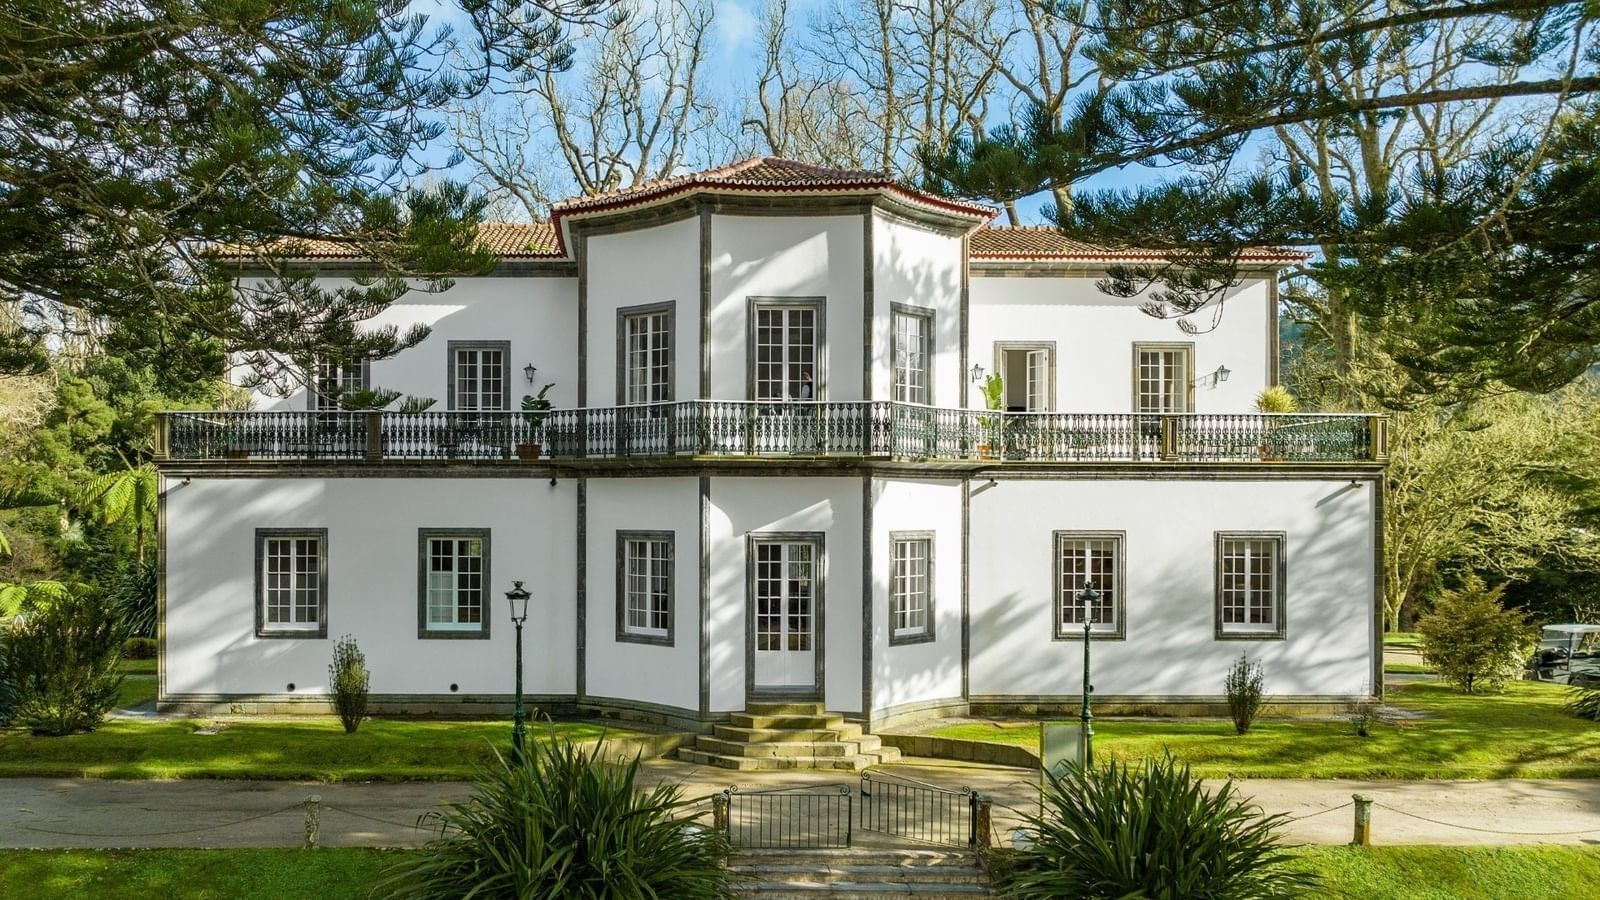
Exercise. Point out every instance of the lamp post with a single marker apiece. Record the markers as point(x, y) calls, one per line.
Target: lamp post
point(518, 595)
point(1088, 595)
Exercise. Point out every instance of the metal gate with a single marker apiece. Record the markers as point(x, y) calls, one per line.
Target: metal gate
point(918, 811)
point(799, 818)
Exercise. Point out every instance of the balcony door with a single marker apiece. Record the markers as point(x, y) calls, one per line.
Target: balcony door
point(785, 375)
point(1028, 370)
point(644, 379)
point(785, 614)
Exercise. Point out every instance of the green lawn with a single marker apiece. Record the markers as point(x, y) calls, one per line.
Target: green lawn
point(1391, 668)
point(1401, 639)
point(1523, 733)
point(138, 666)
point(136, 689)
point(1379, 873)
point(318, 749)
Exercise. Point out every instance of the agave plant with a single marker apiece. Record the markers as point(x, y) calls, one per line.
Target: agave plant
point(1585, 701)
point(563, 822)
point(1149, 830)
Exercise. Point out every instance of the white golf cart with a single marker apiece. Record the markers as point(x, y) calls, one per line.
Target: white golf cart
point(1567, 654)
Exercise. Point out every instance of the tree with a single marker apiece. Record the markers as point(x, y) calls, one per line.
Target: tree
point(1472, 640)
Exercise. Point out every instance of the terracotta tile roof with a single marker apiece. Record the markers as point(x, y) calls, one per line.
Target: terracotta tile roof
point(510, 240)
point(1040, 242)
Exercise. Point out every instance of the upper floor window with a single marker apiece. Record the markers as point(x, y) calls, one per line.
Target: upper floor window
point(454, 572)
point(334, 380)
point(1162, 376)
point(913, 354)
point(1027, 371)
point(644, 586)
point(644, 354)
point(1089, 559)
point(480, 375)
point(1250, 584)
point(910, 587)
point(785, 349)
point(292, 582)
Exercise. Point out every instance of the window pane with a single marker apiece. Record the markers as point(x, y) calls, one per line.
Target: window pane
point(1088, 562)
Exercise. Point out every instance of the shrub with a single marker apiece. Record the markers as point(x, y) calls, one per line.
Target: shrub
point(139, 648)
point(60, 665)
point(347, 677)
point(1244, 688)
point(133, 593)
point(1472, 641)
point(563, 823)
point(1363, 716)
point(1277, 399)
point(1585, 700)
point(1149, 830)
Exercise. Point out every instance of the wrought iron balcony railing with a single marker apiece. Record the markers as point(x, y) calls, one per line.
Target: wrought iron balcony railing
point(724, 428)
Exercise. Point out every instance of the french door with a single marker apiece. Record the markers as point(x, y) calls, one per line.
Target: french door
point(785, 613)
point(646, 364)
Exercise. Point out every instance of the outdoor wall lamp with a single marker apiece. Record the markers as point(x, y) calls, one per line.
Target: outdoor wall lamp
point(517, 599)
point(977, 373)
point(529, 371)
point(1214, 378)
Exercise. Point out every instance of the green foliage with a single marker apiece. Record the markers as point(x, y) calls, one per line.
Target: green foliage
point(1149, 830)
point(1473, 641)
point(1276, 399)
point(140, 648)
point(536, 407)
point(348, 679)
point(564, 823)
point(994, 391)
point(1244, 686)
point(1585, 702)
point(61, 665)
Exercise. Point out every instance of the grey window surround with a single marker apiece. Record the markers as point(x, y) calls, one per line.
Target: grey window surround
point(931, 315)
point(1187, 347)
point(927, 634)
point(818, 540)
point(424, 535)
point(263, 630)
point(311, 387)
point(453, 347)
point(632, 637)
point(1280, 630)
point(1059, 632)
point(1000, 348)
point(670, 307)
point(819, 377)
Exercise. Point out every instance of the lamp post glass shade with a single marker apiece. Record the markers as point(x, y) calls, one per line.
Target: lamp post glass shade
point(517, 599)
point(977, 373)
point(1222, 374)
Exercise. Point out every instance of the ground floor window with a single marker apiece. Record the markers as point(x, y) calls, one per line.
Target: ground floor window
point(1250, 584)
point(1089, 559)
point(644, 586)
point(454, 570)
point(292, 582)
point(910, 587)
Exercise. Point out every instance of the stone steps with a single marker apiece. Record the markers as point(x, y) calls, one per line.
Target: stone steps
point(854, 763)
point(859, 874)
point(853, 747)
point(776, 736)
point(752, 735)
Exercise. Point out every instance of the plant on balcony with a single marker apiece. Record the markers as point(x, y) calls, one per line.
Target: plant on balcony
point(1274, 400)
point(377, 398)
point(994, 393)
point(535, 409)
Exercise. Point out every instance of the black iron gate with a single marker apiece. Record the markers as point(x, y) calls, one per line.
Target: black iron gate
point(918, 811)
point(797, 818)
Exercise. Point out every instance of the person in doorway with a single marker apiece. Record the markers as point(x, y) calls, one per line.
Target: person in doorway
point(804, 390)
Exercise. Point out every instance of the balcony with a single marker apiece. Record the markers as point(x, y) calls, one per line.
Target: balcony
point(721, 429)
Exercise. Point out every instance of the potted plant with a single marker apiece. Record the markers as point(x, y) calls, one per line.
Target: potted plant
point(1273, 400)
point(535, 409)
point(994, 392)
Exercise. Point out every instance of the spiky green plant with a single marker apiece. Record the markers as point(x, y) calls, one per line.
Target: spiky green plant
point(349, 681)
point(1244, 686)
point(128, 493)
point(1149, 830)
point(563, 822)
point(1277, 399)
point(1585, 701)
point(60, 665)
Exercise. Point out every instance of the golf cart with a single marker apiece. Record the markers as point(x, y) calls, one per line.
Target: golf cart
point(1567, 654)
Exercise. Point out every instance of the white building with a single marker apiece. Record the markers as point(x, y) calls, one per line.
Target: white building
point(770, 475)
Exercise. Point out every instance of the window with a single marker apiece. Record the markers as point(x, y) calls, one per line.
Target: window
point(785, 337)
point(453, 573)
point(1084, 558)
point(1161, 377)
point(913, 354)
point(1250, 584)
point(644, 354)
point(333, 380)
point(910, 587)
point(644, 587)
point(292, 582)
point(1028, 373)
point(480, 375)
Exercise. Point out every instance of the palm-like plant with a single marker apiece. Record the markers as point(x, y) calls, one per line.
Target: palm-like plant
point(129, 493)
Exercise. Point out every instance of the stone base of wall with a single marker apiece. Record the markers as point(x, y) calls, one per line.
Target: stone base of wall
point(966, 751)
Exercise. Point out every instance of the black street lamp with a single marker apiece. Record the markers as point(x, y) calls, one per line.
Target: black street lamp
point(519, 614)
point(1088, 595)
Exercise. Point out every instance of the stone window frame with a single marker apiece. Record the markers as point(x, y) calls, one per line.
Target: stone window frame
point(1061, 632)
point(263, 629)
point(624, 635)
point(1280, 607)
point(926, 635)
point(454, 347)
point(930, 317)
point(1001, 348)
point(424, 632)
point(819, 364)
point(1187, 348)
point(624, 313)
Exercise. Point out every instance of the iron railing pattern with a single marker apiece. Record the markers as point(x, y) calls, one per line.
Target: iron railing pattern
point(727, 429)
point(918, 811)
point(813, 817)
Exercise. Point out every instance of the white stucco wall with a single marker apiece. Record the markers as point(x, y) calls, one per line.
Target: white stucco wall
point(919, 267)
point(211, 645)
point(538, 315)
point(786, 256)
point(669, 676)
point(829, 505)
point(915, 673)
point(635, 268)
point(1095, 333)
point(1171, 648)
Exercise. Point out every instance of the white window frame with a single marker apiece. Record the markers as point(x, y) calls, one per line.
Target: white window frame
point(911, 587)
point(646, 351)
point(787, 387)
point(428, 588)
point(1073, 567)
point(482, 400)
point(343, 377)
point(911, 367)
point(646, 594)
point(1240, 555)
point(268, 544)
point(1170, 381)
point(1039, 373)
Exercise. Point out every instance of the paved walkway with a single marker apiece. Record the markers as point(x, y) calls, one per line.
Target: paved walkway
point(66, 813)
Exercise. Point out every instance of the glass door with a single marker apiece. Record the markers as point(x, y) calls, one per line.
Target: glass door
point(785, 614)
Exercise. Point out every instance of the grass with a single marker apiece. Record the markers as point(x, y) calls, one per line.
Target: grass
point(136, 689)
point(1523, 733)
point(1390, 668)
point(1377, 873)
point(1401, 639)
point(315, 749)
point(138, 666)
